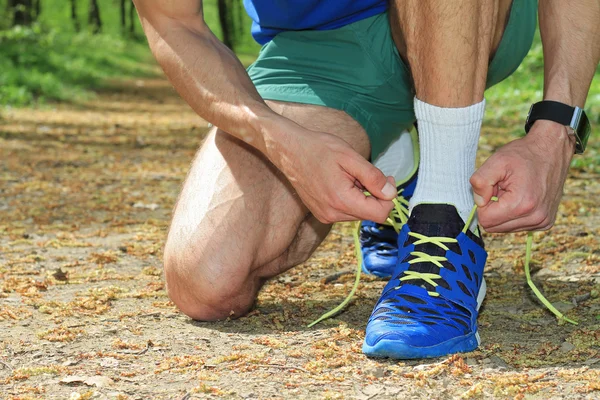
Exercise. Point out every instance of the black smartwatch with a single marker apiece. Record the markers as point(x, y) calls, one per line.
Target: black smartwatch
point(572, 117)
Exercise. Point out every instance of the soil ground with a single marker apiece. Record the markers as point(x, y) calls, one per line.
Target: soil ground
point(86, 193)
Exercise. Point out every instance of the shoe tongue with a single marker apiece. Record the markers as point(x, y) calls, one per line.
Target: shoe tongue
point(433, 220)
point(436, 220)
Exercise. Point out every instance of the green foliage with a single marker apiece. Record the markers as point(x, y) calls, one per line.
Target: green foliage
point(39, 64)
point(50, 61)
point(246, 47)
point(56, 15)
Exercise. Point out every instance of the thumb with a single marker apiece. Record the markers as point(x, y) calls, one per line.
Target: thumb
point(485, 181)
point(373, 179)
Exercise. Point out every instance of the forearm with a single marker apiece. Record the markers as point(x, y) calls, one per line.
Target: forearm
point(571, 39)
point(209, 77)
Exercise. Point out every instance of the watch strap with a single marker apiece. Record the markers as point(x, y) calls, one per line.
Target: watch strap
point(551, 110)
point(573, 117)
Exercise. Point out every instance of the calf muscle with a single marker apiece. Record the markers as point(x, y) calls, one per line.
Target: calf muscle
point(448, 46)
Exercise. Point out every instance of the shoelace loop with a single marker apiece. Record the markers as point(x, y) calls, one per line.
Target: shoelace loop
point(402, 213)
point(399, 212)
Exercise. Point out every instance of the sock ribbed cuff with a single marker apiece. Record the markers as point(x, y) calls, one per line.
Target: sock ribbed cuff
point(449, 116)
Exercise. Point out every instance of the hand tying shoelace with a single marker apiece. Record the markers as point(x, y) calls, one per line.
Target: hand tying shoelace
point(397, 218)
point(399, 214)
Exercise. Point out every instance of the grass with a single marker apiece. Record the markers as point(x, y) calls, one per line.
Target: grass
point(49, 61)
point(37, 65)
point(512, 98)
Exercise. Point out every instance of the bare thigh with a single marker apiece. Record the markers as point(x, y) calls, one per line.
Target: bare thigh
point(238, 221)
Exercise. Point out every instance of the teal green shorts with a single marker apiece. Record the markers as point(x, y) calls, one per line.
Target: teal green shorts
point(357, 69)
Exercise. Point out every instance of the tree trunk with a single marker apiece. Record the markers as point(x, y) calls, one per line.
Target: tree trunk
point(225, 20)
point(38, 9)
point(94, 17)
point(123, 15)
point(239, 22)
point(22, 11)
point(74, 18)
point(131, 19)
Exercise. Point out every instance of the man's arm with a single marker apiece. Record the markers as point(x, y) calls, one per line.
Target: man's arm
point(571, 39)
point(205, 72)
point(322, 168)
point(528, 174)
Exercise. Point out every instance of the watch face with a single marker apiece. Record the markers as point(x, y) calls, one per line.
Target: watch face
point(582, 132)
point(582, 135)
point(528, 122)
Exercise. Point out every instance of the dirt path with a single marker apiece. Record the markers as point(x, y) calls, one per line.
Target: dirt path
point(85, 197)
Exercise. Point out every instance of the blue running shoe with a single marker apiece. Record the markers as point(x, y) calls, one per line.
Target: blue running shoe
point(379, 242)
point(429, 308)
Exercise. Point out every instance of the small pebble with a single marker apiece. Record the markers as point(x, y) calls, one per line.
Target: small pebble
point(566, 347)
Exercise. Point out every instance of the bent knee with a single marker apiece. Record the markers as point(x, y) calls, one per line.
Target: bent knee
point(206, 303)
point(200, 294)
point(207, 310)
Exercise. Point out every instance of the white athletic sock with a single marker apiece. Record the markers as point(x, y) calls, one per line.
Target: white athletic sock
point(448, 140)
point(398, 158)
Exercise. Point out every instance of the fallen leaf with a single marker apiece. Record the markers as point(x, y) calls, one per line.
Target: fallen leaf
point(98, 381)
point(60, 275)
point(151, 206)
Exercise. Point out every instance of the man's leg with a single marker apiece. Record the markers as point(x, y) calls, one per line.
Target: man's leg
point(239, 222)
point(431, 309)
point(448, 46)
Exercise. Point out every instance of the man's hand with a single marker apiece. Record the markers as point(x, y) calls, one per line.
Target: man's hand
point(527, 175)
point(330, 176)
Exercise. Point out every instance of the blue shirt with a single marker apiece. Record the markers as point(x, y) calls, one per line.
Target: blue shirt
point(271, 17)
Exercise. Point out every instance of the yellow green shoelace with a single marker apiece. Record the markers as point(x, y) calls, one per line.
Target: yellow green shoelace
point(400, 212)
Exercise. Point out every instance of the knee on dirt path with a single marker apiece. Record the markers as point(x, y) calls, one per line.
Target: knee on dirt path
point(206, 291)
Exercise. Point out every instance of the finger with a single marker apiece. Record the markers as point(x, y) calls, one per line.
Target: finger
point(520, 225)
point(367, 207)
point(485, 181)
point(499, 212)
point(512, 215)
point(359, 185)
point(371, 178)
point(536, 221)
point(332, 216)
point(343, 217)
